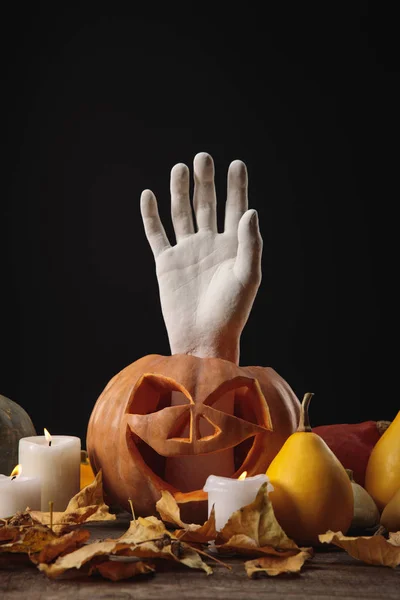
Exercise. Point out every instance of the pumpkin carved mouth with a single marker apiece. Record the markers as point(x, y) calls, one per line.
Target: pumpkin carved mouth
point(157, 430)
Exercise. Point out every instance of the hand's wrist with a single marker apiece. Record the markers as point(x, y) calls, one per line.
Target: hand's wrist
point(216, 347)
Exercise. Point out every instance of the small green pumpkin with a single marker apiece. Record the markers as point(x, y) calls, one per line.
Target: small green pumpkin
point(15, 423)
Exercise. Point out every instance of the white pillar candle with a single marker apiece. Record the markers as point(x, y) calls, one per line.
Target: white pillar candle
point(18, 493)
point(228, 495)
point(57, 465)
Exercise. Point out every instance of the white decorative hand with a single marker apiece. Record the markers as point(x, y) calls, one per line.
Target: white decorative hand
point(208, 280)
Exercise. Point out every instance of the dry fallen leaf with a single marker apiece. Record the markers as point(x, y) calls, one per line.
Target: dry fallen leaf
point(153, 540)
point(41, 543)
point(374, 550)
point(242, 544)
point(143, 529)
point(145, 538)
point(116, 571)
point(254, 529)
point(173, 549)
point(61, 545)
point(169, 511)
point(13, 528)
point(140, 530)
point(276, 565)
point(77, 558)
point(162, 548)
point(9, 534)
point(20, 519)
point(86, 505)
point(394, 538)
point(30, 540)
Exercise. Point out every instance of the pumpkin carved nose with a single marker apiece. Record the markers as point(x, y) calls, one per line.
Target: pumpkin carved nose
point(229, 430)
point(159, 429)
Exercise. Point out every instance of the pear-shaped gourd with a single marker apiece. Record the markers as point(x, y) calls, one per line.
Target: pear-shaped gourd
point(312, 491)
point(366, 513)
point(382, 476)
point(390, 517)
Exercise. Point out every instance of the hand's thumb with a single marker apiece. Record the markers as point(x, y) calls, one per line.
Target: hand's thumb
point(247, 266)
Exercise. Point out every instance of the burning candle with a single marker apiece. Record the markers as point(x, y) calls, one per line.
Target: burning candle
point(55, 460)
point(18, 493)
point(228, 495)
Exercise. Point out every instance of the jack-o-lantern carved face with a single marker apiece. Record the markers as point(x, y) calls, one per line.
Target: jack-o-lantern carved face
point(228, 419)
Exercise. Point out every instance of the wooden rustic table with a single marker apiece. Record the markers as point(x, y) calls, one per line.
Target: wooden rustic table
point(330, 574)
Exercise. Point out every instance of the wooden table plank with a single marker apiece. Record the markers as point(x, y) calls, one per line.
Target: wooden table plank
point(330, 574)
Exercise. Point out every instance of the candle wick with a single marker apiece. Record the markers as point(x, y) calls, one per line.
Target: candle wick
point(13, 477)
point(50, 443)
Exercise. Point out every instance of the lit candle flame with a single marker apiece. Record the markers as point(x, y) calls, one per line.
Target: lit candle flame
point(242, 476)
point(16, 472)
point(47, 436)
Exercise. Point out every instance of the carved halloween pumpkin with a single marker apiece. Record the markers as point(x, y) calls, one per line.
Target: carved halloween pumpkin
point(143, 440)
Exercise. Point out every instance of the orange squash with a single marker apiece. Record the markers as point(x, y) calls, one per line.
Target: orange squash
point(352, 443)
point(86, 471)
point(142, 440)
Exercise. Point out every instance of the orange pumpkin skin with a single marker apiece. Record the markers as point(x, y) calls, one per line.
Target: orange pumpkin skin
point(133, 427)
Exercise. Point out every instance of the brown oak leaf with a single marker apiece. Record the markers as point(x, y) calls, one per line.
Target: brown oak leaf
point(143, 529)
point(13, 528)
point(254, 530)
point(242, 544)
point(169, 511)
point(20, 519)
point(153, 540)
point(9, 533)
point(145, 538)
point(116, 571)
point(77, 558)
point(276, 565)
point(87, 505)
point(30, 539)
point(374, 550)
point(41, 543)
point(61, 545)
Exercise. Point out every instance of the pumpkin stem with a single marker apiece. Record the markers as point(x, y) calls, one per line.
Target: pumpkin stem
point(304, 421)
point(382, 426)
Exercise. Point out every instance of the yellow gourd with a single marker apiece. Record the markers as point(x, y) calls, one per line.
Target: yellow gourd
point(366, 513)
point(382, 476)
point(390, 517)
point(312, 491)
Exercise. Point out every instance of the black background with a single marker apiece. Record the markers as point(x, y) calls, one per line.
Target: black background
point(100, 102)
